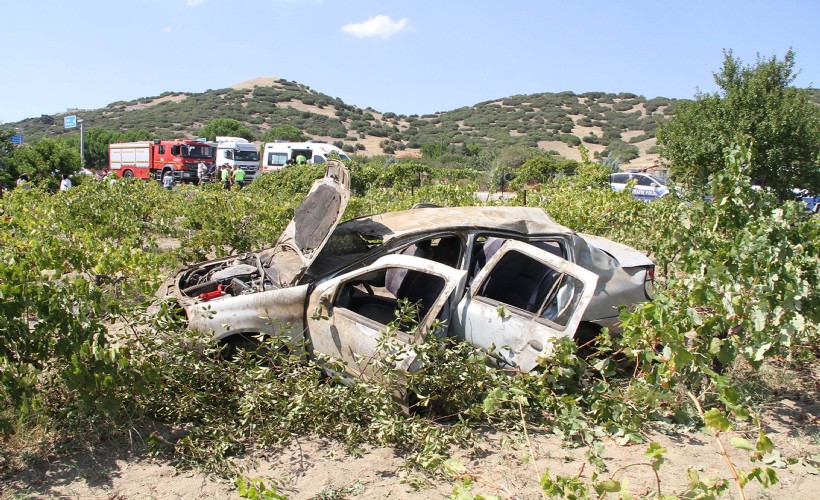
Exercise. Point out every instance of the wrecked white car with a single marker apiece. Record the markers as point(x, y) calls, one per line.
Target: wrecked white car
point(505, 279)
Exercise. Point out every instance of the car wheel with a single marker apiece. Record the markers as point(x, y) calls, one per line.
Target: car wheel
point(585, 336)
point(128, 174)
point(252, 345)
point(238, 343)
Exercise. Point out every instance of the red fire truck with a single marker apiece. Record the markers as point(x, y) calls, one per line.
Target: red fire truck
point(151, 159)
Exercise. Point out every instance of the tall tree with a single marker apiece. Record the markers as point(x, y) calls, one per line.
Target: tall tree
point(7, 176)
point(284, 133)
point(225, 127)
point(45, 160)
point(754, 103)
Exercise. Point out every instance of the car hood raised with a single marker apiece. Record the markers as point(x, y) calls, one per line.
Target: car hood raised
point(315, 219)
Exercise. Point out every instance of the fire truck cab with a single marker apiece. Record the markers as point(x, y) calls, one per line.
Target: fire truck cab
point(152, 159)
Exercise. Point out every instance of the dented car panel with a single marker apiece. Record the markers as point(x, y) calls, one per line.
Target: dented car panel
point(624, 277)
point(275, 312)
point(350, 330)
point(518, 331)
point(626, 256)
point(506, 279)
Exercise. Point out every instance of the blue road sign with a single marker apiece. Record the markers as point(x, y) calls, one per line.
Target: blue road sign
point(70, 121)
point(17, 139)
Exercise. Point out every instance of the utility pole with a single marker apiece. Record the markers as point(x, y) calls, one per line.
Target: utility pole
point(82, 145)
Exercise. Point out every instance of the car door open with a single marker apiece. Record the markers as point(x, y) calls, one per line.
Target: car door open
point(523, 297)
point(350, 317)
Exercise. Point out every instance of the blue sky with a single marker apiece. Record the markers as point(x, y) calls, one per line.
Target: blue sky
point(408, 57)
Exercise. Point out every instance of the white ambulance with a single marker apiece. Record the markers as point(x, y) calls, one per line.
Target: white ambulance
point(279, 154)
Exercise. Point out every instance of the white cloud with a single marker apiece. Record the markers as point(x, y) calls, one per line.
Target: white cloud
point(193, 3)
point(166, 29)
point(381, 26)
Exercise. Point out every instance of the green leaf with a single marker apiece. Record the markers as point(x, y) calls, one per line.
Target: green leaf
point(608, 486)
point(799, 322)
point(502, 311)
point(775, 460)
point(714, 346)
point(760, 354)
point(758, 319)
point(764, 444)
point(453, 467)
point(741, 413)
point(655, 450)
point(493, 400)
point(741, 444)
point(716, 420)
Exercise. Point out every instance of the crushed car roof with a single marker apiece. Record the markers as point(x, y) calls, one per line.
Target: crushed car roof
point(524, 220)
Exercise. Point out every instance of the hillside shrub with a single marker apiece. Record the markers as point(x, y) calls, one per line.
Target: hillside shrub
point(625, 152)
point(622, 106)
point(572, 140)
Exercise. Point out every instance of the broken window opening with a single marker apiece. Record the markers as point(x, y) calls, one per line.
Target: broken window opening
point(520, 281)
point(527, 284)
point(369, 296)
point(484, 247)
point(445, 250)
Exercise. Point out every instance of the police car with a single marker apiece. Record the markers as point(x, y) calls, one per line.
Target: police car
point(646, 187)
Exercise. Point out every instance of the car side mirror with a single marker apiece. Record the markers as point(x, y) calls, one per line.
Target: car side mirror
point(324, 303)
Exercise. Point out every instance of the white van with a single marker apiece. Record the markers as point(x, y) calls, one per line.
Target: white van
point(276, 155)
point(237, 151)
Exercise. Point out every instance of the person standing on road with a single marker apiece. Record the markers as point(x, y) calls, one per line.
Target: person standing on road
point(238, 177)
point(65, 183)
point(226, 176)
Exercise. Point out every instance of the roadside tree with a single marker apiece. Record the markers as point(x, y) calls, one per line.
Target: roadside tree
point(45, 160)
point(226, 127)
point(540, 169)
point(757, 102)
point(284, 133)
point(6, 148)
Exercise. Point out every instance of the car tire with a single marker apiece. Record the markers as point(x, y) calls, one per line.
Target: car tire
point(250, 343)
point(233, 345)
point(585, 336)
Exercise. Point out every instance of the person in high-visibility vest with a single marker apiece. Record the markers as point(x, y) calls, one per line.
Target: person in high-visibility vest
point(226, 176)
point(238, 177)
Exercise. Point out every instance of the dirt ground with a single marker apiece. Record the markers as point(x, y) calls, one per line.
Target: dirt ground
point(317, 468)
